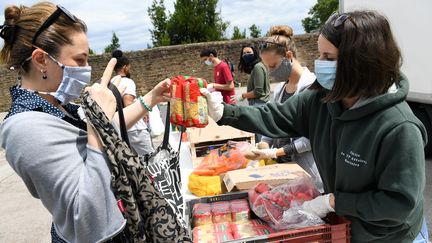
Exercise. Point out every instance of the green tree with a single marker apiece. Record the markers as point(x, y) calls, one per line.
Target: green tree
point(237, 34)
point(255, 31)
point(195, 21)
point(158, 17)
point(319, 13)
point(91, 52)
point(115, 44)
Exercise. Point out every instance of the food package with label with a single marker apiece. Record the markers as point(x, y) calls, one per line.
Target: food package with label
point(212, 237)
point(202, 214)
point(176, 103)
point(251, 228)
point(188, 107)
point(221, 212)
point(240, 210)
point(195, 104)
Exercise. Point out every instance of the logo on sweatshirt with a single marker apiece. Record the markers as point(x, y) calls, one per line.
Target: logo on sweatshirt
point(353, 159)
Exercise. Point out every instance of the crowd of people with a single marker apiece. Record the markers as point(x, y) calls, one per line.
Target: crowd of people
point(347, 124)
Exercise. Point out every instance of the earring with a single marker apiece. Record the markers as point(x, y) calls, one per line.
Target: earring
point(44, 76)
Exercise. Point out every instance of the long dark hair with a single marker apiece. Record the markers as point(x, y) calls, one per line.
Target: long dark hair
point(369, 59)
point(247, 67)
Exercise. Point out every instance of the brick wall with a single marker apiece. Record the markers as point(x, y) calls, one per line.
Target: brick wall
point(153, 65)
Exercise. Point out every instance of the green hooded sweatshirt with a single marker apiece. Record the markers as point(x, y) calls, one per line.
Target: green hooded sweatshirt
point(371, 157)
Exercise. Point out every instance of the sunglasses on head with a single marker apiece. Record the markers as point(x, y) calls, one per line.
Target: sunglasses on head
point(269, 44)
point(51, 19)
point(338, 20)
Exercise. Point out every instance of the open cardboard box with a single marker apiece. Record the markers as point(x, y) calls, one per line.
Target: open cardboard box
point(245, 179)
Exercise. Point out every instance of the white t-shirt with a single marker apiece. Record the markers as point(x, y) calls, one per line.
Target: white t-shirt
point(131, 90)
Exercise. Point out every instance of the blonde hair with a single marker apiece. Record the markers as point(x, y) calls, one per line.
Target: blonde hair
point(21, 25)
point(282, 35)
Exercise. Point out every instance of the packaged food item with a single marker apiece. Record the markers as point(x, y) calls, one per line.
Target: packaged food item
point(242, 230)
point(204, 185)
point(188, 105)
point(202, 214)
point(213, 233)
point(212, 237)
point(221, 212)
point(195, 104)
point(176, 103)
point(240, 210)
point(215, 164)
point(224, 227)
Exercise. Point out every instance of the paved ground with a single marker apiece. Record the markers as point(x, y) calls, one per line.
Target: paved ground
point(24, 219)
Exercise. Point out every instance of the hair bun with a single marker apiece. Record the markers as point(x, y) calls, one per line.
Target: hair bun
point(283, 30)
point(117, 54)
point(12, 14)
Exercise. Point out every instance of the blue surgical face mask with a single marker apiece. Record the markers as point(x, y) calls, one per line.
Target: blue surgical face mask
point(325, 72)
point(73, 81)
point(248, 57)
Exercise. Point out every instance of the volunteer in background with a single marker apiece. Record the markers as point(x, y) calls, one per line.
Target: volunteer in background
point(279, 53)
point(223, 79)
point(139, 135)
point(56, 153)
point(367, 143)
point(258, 86)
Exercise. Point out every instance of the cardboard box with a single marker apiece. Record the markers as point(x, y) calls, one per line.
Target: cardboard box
point(245, 179)
point(215, 136)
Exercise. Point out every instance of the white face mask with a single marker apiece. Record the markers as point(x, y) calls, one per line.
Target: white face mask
point(73, 81)
point(208, 62)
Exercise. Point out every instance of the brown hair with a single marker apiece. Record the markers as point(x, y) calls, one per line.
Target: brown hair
point(23, 22)
point(282, 35)
point(369, 59)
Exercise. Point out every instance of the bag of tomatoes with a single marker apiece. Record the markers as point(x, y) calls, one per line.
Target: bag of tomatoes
point(281, 206)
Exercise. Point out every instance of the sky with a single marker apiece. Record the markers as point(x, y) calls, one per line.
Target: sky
point(130, 21)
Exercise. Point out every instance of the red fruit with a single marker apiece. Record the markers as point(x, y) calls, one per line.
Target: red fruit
point(303, 196)
point(262, 187)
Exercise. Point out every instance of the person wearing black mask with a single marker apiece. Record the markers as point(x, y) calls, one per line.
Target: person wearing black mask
point(258, 86)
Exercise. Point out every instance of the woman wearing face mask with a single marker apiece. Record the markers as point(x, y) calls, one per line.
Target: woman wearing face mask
point(58, 156)
point(279, 54)
point(258, 86)
point(367, 143)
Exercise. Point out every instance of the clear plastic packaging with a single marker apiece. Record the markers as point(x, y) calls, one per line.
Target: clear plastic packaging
point(281, 206)
point(221, 212)
point(240, 210)
point(202, 214)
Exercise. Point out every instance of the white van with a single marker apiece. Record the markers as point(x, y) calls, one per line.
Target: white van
point(411, 24)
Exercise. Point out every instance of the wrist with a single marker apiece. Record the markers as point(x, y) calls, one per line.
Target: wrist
point(332, 201)
point(148, 100)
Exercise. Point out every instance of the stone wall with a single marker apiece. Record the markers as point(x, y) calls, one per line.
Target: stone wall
point(153, 65)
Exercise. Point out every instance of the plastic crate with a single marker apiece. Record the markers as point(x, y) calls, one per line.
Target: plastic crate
point(336, 230)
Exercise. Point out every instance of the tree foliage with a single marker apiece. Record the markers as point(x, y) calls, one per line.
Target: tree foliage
point(192, 21)
point(158, 17)
point(115, 44)
point(237, 34)
point(255, 31)
point(319, 13)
